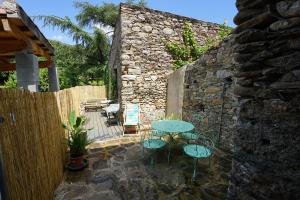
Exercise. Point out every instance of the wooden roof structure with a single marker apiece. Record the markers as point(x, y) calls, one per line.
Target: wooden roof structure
point(18, 32)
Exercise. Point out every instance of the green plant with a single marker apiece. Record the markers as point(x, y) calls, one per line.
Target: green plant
point(12, 81)
point(77, 135)
point(191, 50)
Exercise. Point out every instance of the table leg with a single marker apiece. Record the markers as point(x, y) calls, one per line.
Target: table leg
point(195, 169)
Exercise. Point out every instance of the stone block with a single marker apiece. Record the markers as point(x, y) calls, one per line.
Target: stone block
point(128, 77)
point(216, 102)
point(223, 74)
point(288, 8)
point(168, 31)
point(147, 29)
point(213, 90)
point(285, 24)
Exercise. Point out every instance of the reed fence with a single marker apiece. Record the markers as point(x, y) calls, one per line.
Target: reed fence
point(32, 140)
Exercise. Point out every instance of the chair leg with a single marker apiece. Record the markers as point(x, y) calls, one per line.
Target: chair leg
point(169, 155)
point(195, 169)
point(152, 161)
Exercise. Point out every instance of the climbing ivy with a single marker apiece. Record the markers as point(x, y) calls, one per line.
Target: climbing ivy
point(191, 50)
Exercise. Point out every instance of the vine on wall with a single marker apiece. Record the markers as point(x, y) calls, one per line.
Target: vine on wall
point(191, 50)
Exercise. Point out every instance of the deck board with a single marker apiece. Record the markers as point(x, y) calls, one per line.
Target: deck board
point(101, 130)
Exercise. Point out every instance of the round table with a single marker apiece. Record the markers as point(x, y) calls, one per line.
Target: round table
point(172, 126)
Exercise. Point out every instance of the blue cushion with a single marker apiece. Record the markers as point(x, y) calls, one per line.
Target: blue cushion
point(154, 143)
point(157, 134)
point(197, 151)
point(190, 136)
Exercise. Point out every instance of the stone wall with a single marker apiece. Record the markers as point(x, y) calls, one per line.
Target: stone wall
point(144, 61)
point(267, 151)
point(114, 62)
point(208, 93)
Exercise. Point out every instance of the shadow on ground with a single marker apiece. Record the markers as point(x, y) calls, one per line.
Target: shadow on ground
point(120, 172)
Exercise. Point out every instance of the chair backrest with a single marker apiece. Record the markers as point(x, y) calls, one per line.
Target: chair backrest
point(207, 142)
point(132, 114)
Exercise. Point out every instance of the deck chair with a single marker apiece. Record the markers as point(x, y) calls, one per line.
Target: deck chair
point(131, 118)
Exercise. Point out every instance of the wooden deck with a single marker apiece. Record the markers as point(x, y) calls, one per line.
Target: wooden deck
point(101, 130)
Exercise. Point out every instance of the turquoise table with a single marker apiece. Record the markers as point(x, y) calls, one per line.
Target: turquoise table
point(171, 127)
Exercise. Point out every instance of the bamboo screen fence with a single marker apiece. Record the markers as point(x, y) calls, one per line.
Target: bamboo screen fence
point(32, 138)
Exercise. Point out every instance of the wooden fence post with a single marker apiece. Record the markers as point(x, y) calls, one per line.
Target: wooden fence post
point(2, 182)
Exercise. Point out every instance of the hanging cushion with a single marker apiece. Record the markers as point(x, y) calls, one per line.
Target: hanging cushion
point(197, 151)
point(131, 115)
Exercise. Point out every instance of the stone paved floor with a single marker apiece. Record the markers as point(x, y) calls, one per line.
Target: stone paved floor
point(119, 172)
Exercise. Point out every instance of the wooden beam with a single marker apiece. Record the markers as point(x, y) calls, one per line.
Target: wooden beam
point(7, 46)
point(34, 29)
point(12, 66)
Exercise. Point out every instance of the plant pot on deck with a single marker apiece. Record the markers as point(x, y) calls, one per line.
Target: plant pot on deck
point(130, 130)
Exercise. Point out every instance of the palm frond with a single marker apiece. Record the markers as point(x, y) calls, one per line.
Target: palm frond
point(105, 15)
point(102, 42)
point(66, 25)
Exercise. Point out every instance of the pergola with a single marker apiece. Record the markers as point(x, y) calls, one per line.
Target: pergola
point(24, 48)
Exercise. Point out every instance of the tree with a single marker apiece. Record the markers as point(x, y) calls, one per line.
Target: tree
point(105, 14)
point(77, 70)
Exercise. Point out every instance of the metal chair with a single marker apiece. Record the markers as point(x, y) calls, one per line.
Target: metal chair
point(152, 141)
point(189, 136)
point(203, 147)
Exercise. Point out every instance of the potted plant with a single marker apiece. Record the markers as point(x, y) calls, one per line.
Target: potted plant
point(77, 141)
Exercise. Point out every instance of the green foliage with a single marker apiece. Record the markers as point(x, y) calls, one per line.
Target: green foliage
point(44, 83)
point(191, 50)
point(76, 70)
point(90, 14)
point(111, 84)
point(77, 137)
point(224, 31)
point(3, 77)
point(142, 3)
point(11, 81)
point(187, 52)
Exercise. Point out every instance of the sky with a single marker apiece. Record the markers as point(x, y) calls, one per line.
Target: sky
point(207, 10)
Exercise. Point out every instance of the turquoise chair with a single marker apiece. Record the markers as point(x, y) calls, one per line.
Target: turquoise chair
point(158, 134)
point(189, 136)
point(202, 148)
point(152, 141)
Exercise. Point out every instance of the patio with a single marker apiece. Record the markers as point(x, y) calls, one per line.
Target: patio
point(102, 131)
point(120, 172)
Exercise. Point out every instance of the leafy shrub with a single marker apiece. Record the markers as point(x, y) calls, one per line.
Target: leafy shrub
point(191, 50)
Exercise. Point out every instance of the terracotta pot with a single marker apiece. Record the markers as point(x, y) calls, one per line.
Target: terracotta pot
point(130, 129)
point(77, 161)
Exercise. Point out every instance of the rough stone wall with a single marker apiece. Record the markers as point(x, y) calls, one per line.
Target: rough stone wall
point(145, 63)
point(204, 89)
point(267, 151)
point(114, 62)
